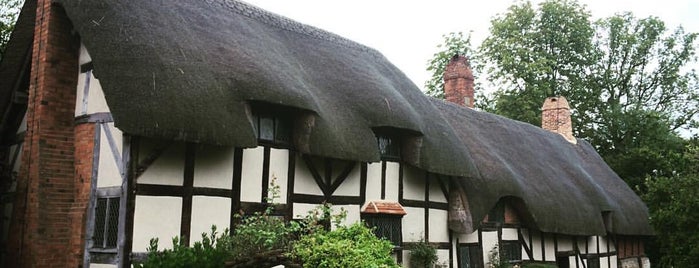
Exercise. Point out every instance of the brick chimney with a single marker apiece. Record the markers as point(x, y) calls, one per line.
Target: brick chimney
point(555, 117)
point(458, 82)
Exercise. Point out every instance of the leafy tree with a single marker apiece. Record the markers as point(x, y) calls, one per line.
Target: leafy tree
point(455, 43)
point(533, 54)
point(9, 9)
point(674, 208)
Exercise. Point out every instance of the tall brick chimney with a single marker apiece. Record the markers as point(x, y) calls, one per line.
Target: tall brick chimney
point(458, 82)
point(555, 117)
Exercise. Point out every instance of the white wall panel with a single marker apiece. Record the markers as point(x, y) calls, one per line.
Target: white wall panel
point(156, 217)
point(392, 172)
point(351, 185)
point(536, 246)
point(303, 180)
point(443, 257)
point(373, 182)
point(509, 234)
point(413, 183)
point(439, 231)
point(490, 239)
point(436, 193)
point(413, 224)
point(213, 167)
point(251, 182)
point(207, 211)
point(353, 213)
point(100, 265)
point(23, 124)
point(168, 169)
point(300, 210)
point(565, 243)
point(108, 174)
point(279, 173)
point(550, 248)
point(468, 238)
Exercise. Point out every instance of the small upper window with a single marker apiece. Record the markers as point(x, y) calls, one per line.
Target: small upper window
point(385, 217)
point(389, 147)
point(273, 129)
point(511, 251)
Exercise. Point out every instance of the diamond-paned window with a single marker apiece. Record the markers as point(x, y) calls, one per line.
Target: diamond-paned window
point(106, 229)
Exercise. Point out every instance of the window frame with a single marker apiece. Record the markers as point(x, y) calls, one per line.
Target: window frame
point(112, 194)
point(470, 248)
point(394, 221)
point(511, 246)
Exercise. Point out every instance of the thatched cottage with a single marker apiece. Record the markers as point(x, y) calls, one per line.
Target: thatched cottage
point(127, 120)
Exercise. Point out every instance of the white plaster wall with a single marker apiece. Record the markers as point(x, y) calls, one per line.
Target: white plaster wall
point(351, 185)
point(108, 173)
point(300, 210)
point(565, 243)
point(156, 217)
point(251, 182)
point(614, 261)
point(443, 256)
point(468, 238)
point(213, 167)
point(278, 173)
point(303, 180)
point(490, 239)
point(509, 234)
point(436, 193)
point(373, 181)
point(603, 244)
point(413, 224)
point(439, 231)
point(100, 265)
point(23, 124)
point(413, 183)
point(525, 236)
point(603, 262)
point(353, 213)
point(536, 246)
point(207, 211)
point(84, 56)
point(550, 248)
point(392, 179)
point(96, 102)
point(592, 244)
point(168, 169)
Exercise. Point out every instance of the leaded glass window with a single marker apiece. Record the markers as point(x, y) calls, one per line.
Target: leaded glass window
point(470, 256)
point(385, 226)
point(511, 251)
point(106, 223)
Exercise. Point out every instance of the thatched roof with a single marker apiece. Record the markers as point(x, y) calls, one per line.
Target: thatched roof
point(184, 70)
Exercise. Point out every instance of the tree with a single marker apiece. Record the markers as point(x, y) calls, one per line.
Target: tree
point(454, 44)
point(627, 79)
point(673, 204)
point(9, 10)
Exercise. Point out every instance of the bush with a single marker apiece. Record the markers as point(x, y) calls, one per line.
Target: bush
point(212, 251)
point(422, 255)
point(352, 246)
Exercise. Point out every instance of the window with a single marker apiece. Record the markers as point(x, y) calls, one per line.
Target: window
point(470, 256)
point(385, 226)
point(105, 233)
point(511, 251)
point(389, 147)
point(273, 129)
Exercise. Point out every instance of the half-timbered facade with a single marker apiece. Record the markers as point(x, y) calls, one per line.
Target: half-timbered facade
point(122, 123)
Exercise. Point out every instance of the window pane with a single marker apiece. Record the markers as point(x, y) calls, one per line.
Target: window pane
point(593, 262)
point(465, 257)
point(388, 147)
point(283, 131)
point(387, 227)
point(100, 214)
point(113, 223)
point(511, 251)
point(266, 130)
point(476, 256)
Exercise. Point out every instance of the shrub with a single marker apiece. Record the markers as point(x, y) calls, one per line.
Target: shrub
point(346, 246)
point(422, 254)
point(212, 251)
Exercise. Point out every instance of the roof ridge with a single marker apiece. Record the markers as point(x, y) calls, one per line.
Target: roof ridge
point(284, 23)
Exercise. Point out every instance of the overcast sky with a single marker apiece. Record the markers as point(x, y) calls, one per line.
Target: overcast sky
point(407, 32)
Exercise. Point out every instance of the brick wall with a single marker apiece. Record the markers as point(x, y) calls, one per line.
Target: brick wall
point(46, 219)
point(555, 117)
point(458, 82)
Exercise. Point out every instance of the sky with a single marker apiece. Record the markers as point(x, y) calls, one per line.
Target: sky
point(408, 32)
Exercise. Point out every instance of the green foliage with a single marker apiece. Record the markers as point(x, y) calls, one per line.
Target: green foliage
point(422, 255)
point(495, 261)
point(673, 203)
point(352, 246)
point(454, 44)
point(212, 251)
point(538, 265)
point(9, 10)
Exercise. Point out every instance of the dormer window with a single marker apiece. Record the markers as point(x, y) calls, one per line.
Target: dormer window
point(273, 129)
point(273, 125)
point(389, 147)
